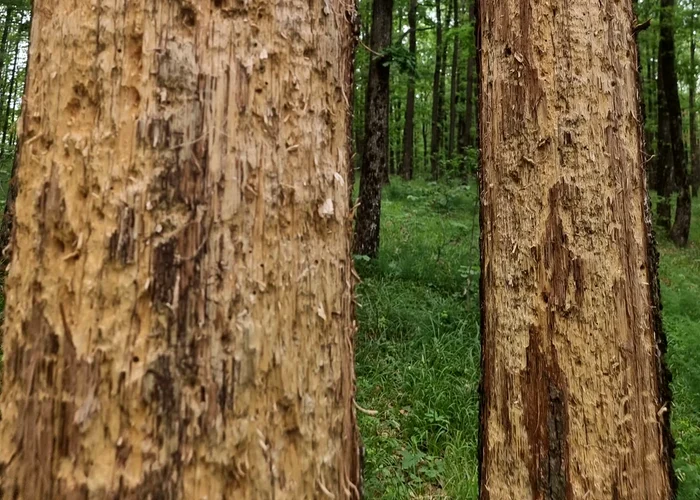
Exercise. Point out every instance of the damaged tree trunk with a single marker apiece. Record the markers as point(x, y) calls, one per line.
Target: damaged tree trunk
point(575, 391)
point(179, 303)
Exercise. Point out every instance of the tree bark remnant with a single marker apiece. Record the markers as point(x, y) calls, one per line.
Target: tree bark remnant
point(575, 398)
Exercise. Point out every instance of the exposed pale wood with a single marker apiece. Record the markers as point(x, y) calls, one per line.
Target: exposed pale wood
point(179, 305)
point(575, 393)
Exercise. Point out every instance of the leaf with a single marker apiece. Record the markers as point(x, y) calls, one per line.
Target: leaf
point(411, 459)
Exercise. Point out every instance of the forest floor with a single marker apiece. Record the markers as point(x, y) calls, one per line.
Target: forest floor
point(418, 346)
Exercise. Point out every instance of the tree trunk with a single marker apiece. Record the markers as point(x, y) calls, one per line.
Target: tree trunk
point(179, 304)
point(664, 160)
point(443, 84)
point(575, 400)
point(694, 158)
point(454, 81)
point(436, 127)
point(467, 140)
point(424, 128)
point(5, 32)
point(669, 80)
point(9, 108)
point(649, 117)
point(376, 151)
point(408, 127)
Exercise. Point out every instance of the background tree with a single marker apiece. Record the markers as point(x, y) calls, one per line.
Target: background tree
point(409, 134)
point(376, 148)
point(436, 123)
point(179, 305)
point(668, 80)
point(565, 244)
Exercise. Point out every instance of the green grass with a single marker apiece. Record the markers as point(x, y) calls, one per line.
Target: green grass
point(418, 346)
point(680, 295)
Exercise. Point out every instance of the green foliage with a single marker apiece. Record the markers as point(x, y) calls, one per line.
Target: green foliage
point(400, 58)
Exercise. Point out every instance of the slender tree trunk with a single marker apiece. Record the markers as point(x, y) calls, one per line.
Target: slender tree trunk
point(467, 140)
point(436, 127)
point(5, 32)
point(179, 307)
point(454, 81)
point(443, 84)
point(575, 400)
point(669, 80)
point(664, 159)
point(376, 151)
point(408, 127)
point(395, 141)
point(649, 117)
point(692, 86)
point(424, 127)
point(10, 97)
point(469, 112)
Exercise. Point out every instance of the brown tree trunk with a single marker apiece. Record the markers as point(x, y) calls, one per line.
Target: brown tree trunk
point(575, 400)
point(454, 81)
point(408, 127)
point(436, 126)
point(179, 304)
point(375, 155)
point(669, 80)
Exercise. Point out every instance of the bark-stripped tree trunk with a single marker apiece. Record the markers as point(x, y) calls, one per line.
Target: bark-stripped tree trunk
point(375, 156)
point(179, 303)
point(436, 126)
point(454, 81)
point(668, 79)
point(575, 393)
point(408, 127)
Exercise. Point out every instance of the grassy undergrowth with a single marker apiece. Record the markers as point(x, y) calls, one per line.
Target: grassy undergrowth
point(680, 294)
point(418, 346)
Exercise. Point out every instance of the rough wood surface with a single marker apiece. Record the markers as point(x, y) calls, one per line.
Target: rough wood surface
point(178, 321)
point(575, 394)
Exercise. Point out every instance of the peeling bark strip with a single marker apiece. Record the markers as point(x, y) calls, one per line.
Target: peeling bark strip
point(575, 394)
point(179, 305)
